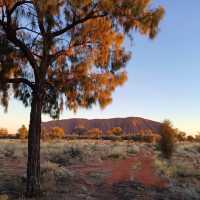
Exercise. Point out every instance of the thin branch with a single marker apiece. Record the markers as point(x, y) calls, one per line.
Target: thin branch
point(39, 18)
point(70, 26)
point(21, 80)
point(11, 36)
point(19, 3)
point(25, 50)
point(38, 56)
point(27, 29)
point(63, 51)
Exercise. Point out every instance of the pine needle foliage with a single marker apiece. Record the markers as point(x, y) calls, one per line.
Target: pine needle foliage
point(70, 51)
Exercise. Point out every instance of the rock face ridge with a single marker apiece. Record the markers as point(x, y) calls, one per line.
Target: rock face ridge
point(130, 125)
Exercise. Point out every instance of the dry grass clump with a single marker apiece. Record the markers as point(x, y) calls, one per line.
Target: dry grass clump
point(12, 149)
point(165, 168)
point(188, 149)
point(184, 163)
point(182, 170)
point(67, 155)
point(176, 170)
point(76, 151)
point(115, 155)
point(55, 178)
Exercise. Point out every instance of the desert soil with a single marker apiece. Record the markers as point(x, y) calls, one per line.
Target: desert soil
point(129, 178)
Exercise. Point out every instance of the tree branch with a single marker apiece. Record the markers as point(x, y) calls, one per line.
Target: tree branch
point(26, 51)
point(40, 20)
point(11, 36)
point(70, 26)
point(19, 3)
point(21, 80)
point(27, 29)
point(64, 52)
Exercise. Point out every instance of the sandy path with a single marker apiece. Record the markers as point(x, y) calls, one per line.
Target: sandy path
point(139, 167)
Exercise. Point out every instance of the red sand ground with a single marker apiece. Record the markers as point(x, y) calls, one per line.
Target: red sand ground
point(139, 168)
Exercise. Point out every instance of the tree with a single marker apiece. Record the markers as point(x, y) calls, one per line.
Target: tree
point(180, 136)
point(55, 53)
point(44, 133)
point(197, 137)
point(94, 132)
point(79, 130)
point(117, 131)
point(3, 133)
point(167, 141)
point(190, 138)
point(57, 133)
point(22, 132)
point(52, 133)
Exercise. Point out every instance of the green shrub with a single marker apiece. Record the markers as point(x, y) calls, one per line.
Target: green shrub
point(167, 141)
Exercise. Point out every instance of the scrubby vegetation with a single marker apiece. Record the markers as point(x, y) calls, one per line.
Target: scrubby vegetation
point(182, 170)
point(22, 132)
point(68, 168)
point(116, 131)
point(167, 141)
point(95, 133)
point(53, 133)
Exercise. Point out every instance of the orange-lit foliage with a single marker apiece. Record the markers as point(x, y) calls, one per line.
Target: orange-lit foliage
point(3, 133)
point(53, 133)
point(116, 131)
point(57, 133)
point(167, 141)
point(70, 53)
point(83, 62)
point(94, 133)
point(22, 132)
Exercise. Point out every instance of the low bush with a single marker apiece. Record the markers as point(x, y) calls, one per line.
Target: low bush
point(54, 177)
point(115, 131)
point(22, 133)
point(190, 138)
point(52, 133)
point(95, 133)
point(66, 156)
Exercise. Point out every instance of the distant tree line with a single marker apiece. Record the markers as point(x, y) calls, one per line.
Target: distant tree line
point(115, 133)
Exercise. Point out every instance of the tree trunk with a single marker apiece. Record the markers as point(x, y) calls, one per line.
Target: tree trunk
point(33, 164)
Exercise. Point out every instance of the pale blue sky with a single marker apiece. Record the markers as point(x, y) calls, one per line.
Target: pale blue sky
point(163, 76)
